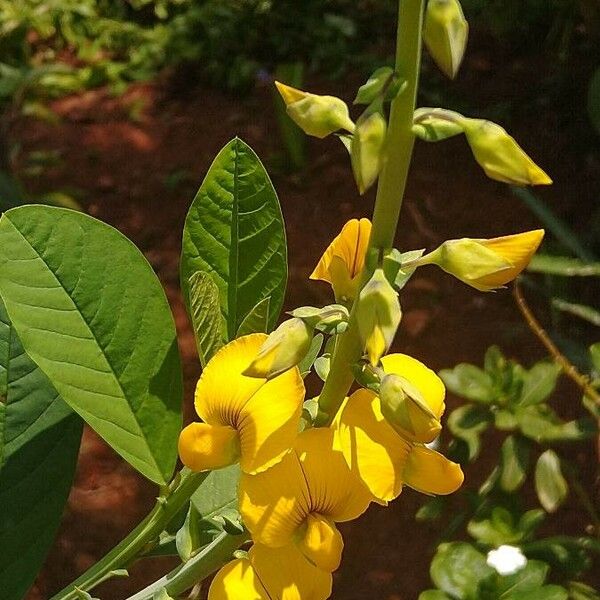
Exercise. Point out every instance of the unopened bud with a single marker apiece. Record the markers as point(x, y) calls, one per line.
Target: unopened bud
point(406, 410)
point(500, 156)
point(367, 150)
point(331, 318)
point(436, 124)
point(486, 264)
point(282, 350)
point(378, 314)
point(315, 115)
point(445, 33)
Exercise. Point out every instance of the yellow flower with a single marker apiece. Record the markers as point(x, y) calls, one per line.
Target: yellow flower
point(301, 498)
point(379, 455)
point(486, 264)
point(315, 115)
point(271, 574)
point(344, 259)
point(248, 419)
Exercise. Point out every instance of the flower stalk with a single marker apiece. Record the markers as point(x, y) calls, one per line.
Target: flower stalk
point(140, 539)
point(390, 192)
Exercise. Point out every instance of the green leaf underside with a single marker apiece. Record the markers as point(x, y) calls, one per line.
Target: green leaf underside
point(39, 443)
point(256, 321)
point(234, 231)
point(550, 485)
point(206, 315)
point(217, 492)
point(91, 313)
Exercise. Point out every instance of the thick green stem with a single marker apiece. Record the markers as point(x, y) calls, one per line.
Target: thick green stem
point(185, 576)
point(390, 192)
point(139, 539)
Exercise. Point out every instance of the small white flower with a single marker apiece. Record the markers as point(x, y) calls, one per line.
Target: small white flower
point(507, 560)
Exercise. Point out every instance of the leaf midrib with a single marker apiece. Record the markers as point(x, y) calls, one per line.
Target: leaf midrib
point(233, 250)
point(102, 349)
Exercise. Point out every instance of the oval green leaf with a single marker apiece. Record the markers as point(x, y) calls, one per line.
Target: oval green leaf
point(39, 442)
point(550, 485)
point(92, 314)
point(234, 231)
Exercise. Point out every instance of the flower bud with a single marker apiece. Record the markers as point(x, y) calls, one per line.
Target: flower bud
point(405, 409)
point(330, 318)
point(378, 313)
point(486, 264)
point(445, 33)
point(500, 156)
point(315, 115)
point(367, 150)
point(282, 350)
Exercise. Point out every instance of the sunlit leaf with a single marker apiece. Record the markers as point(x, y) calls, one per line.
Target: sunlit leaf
point(515, 459)
point(539, 382)
point(550, 485)
point(234, 231)
point(206, 315)
point(257, 320)
point(469, 382)
point(92, 314)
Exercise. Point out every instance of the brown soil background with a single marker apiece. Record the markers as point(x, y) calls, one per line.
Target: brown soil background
point(125, 170)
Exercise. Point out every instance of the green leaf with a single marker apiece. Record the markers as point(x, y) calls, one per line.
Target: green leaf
point(39, 443)
point(256, 321)
point(531, 577)
point(540, 423)
point(546, 592)
point(587, 313)
point(563, 265)
point(515, 459)
point(469, 382)
point(433, 595)
point(92, 314)
point(581, 591)
point(218, 492)
point(539, 382)
point(457, 569)
point(595, 356)
point(383, 79)
point(307, 362)
point(468, 422)
point(499, 528)
point(206, 315)
point(550, 485)
point(234, 231)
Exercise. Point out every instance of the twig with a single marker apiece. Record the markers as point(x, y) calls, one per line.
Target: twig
point(569, 368)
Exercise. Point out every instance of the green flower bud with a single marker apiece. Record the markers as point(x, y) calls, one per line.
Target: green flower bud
point(436, 124)
point(282, 350)
point(330, 318)
point(445, 34)
point(405, 409)
point(500, 156)
point(316, 115)
point(367, 150)
point(378, 313)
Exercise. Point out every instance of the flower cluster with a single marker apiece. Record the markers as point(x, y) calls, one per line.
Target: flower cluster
point(298, 480)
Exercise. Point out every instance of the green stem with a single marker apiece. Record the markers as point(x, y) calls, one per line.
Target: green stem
point(185, 576)
point(137, 542)
point(390, 192)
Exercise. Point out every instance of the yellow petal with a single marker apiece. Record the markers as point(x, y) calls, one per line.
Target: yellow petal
point(237, 580)
point(313, 478)
point(268, 422)
point(287, 575)
point(275, 503)
point(374, 452)
point(333, 490)
point(321, 543)
point(350, 248)
point(266, 414)
point(429, 472)
point(205, 447)
point(517, 249)
point(222, 390)
point(290, 94)
point(422, 377)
